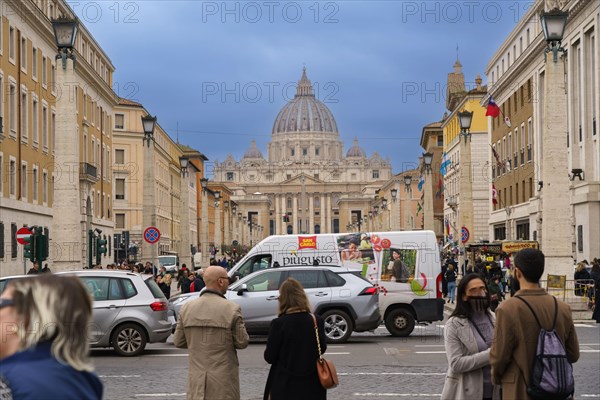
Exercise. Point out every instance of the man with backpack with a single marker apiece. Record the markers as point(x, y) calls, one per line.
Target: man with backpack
point(535, 341)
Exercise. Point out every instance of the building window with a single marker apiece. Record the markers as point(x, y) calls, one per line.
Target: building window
point(24, 181)
point(580, 239)
point(523, 230)
point(12, 172)
point(120, 221)
point(440, 140)
point(499, 232)
point(289, 202)
point(529, 139)
point(12, 108)
point(316, 176)
point(13, 240)
point(288, 176)
point(1, 223)
point(35, 128)
point(119, 156)
point(292, 152)
point(53, 130)
point(375, 174)
point(44, 71)
point(304, 151)
point(23, 53)
point(35, 183)
point(229, 176)
point(24, 120)
point(45, 187)
point(353, 176)
point(34, 63)
point(11, 43)
point(120, 189)
point(317, 151)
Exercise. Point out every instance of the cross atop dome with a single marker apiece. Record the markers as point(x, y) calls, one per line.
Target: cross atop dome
point(304, 85)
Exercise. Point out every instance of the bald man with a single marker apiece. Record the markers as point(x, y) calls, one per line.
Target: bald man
point(212, 328)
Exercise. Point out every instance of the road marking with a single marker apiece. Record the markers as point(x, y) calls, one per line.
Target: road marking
point(429, 345)
point(589, 395)
point(391, 373)
point(589, 351)
point(160, 395)
point(584, 326)
point(331, 354)
point(589, 344)
point(396, 395)
point(119, 376)
point(168, 355)
point(335, 347)
point(430, 352)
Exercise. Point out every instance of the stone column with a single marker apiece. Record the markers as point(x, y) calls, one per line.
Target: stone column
point(311, 213)
point(295, 214)
point(67, 227)
point(218, 233)
point(204, 230)
point(556, 224)
point(465, 204)
point(185, 254)
point(278, 216)
point(328, 214)
point(428, 202)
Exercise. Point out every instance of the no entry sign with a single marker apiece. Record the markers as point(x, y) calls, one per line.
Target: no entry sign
point(22, 234)
point(151, 234)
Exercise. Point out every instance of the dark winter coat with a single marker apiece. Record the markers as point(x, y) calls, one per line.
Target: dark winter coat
point(36, 374)
point(292, 352)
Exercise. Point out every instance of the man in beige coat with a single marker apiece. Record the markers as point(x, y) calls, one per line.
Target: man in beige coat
point(212, 328)
point(516, 333)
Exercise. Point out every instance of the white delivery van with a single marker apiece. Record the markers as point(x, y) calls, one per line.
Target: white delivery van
point(404, 265)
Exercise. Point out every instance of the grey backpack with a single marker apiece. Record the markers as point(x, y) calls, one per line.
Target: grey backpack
point(551, 373)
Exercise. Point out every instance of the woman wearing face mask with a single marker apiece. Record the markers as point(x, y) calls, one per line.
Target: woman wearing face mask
point(468, 336)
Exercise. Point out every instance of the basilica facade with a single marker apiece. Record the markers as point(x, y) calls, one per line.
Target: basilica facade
point(306, 184)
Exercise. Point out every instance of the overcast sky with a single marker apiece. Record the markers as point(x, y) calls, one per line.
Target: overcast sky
point(221, 71)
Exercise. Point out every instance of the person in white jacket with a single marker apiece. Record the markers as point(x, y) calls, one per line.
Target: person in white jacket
point(468, 336)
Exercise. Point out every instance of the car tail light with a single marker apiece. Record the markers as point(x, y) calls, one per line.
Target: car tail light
point(369, 291)
point(159, 306)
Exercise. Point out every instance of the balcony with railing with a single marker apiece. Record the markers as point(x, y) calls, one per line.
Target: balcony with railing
point(88, 172)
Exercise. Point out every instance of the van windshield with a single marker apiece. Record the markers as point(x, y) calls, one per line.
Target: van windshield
point(167, 260)
point(253, 264)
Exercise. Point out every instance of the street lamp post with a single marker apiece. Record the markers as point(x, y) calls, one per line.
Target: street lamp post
point(185, 251)
point(149, 251)
point(428, 193)
point(66, 225)
point(555, 194)
point(204, 245)
point(408, 188)
point(218, 239)
point(395, 210)
point(465, 212)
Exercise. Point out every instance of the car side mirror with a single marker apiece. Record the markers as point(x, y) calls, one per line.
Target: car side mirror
point(243, 288)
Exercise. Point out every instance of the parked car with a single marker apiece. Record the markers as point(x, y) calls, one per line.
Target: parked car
point(129, 310)
point(346, 301)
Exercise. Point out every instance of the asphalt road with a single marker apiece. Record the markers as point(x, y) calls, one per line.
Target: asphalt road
point(370, 365)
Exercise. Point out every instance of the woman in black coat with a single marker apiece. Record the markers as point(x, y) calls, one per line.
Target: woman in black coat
point(292, 348)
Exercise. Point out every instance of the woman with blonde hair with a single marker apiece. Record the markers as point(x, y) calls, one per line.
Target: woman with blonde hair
point(292, 348)
point(45, 349)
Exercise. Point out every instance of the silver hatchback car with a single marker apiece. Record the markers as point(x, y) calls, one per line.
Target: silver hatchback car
point(347, 302)
point(129, 310)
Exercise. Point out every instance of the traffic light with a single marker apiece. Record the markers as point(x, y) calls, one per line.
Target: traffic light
point(29, 247)
point(100, 249)
point(41, 245)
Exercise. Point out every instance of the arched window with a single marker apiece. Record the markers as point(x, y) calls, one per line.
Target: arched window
point(317, 202)
point(317, 229)
point(289, 202)
point(290, 229)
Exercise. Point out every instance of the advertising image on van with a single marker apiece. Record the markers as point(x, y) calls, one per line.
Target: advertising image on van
point(405, 266)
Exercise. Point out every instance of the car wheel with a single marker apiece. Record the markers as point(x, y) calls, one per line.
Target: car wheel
point(338, 326)
point(400, 322)
point(129, 340)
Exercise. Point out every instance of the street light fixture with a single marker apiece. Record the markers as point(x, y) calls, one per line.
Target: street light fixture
point(553, 26)
point(204, 183)
point(464, 119)
point(427, 159)
point(384, 204)
point(148, 123)
point(183, 163)
point(394, 193)
point(226, 204)
point(407, 182)
point(65, 31)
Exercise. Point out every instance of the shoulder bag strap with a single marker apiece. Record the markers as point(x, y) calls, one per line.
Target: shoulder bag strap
point(533, 312)
point(317, 335)
point(555, 313)
point(474, 325)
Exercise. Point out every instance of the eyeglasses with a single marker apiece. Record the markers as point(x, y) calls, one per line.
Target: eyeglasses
point(224, 277)
point(6, 303)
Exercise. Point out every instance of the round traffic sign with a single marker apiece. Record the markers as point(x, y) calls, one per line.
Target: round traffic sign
point(151, 234)
point(465, 234)
point(22, 233)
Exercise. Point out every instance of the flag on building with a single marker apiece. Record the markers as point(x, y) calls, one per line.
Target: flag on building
point(440, 189)
point(421, 182)
point(447, 227)
point(494, 195)
point(497, 157)
point(419, 208)
point(492, 109)
point(445, 164)
point(507, 122)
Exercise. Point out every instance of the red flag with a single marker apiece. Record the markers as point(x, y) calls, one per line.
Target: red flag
point(494, 195)
point(492, 109)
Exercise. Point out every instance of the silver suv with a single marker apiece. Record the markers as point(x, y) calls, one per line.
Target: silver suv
point(129, 310)
point(347, 302)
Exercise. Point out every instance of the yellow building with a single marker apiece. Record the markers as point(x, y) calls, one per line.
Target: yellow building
point(31, 105)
